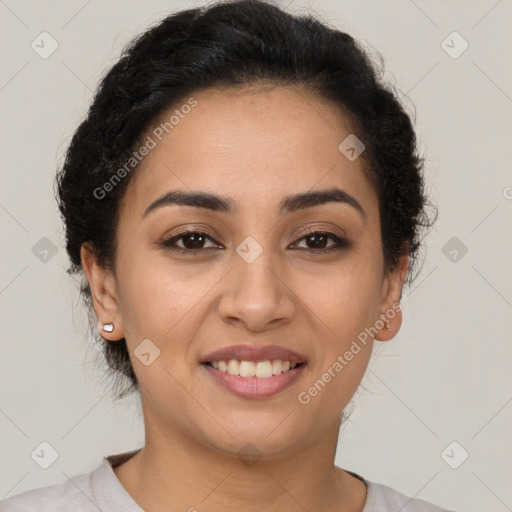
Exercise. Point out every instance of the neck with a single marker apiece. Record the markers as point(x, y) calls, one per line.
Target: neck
point(173, 468)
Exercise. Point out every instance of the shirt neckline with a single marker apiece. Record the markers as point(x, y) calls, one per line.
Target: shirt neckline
point(105, 485)
point(104, 480)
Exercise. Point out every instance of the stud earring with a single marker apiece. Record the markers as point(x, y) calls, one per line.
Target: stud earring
point(108, 327)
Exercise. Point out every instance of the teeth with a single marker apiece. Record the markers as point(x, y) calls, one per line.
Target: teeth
point(261, 369)
point(247, 369)
point(233, 367)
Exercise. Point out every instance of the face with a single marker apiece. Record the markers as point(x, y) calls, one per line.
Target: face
point(264, 276)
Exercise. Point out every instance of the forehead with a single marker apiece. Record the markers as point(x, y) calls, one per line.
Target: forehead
point(254, 144)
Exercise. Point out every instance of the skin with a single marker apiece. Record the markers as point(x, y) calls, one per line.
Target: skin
point(256, 146)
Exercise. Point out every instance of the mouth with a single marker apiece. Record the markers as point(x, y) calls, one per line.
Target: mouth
point(250, 369)
point(254, 372)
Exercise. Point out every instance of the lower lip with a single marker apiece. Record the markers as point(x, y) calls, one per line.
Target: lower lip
point(254, 387)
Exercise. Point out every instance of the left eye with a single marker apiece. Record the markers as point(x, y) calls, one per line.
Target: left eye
point(196, 238)
point(194, 241)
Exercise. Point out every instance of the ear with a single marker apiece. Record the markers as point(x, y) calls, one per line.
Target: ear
point(104, 296)
point(391, 310)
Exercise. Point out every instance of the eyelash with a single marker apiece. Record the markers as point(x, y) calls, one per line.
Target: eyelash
point(341, 243)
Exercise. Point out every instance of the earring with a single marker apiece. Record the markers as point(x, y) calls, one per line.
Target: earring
point(387, 326)
point(108, 327)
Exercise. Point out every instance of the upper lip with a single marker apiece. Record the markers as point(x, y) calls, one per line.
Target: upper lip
point(254, 353)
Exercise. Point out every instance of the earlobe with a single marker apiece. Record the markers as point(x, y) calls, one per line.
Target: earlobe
point(392, 321)
point(103, 291)
point(391, 313)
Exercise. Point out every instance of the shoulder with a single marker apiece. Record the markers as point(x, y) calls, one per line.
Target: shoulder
point(74, 494)
point(382, 498)
point(98, 490)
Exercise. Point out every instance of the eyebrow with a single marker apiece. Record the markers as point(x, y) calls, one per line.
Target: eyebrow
point(222, 204)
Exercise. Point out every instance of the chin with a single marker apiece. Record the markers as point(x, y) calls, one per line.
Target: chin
point(257, 434)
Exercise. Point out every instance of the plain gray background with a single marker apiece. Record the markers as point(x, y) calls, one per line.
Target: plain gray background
point(446, 376)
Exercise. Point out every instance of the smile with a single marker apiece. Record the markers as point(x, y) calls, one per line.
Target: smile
point(250, 379)
point(258, 369)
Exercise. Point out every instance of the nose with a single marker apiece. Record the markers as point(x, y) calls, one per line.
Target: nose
point(255, 293)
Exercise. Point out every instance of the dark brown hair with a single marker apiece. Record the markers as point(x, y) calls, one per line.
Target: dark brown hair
point(230, 44)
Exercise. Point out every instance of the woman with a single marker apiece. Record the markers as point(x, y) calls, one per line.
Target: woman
point(245, 200)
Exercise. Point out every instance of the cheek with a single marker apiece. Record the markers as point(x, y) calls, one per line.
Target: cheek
point(157, 299)
point(344, 298)
point(344, 301)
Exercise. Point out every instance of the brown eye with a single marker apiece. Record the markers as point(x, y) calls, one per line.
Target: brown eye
point(193, 241)
point(317, 241)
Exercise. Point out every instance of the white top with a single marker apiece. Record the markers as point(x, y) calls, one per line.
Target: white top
point(101, 491)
